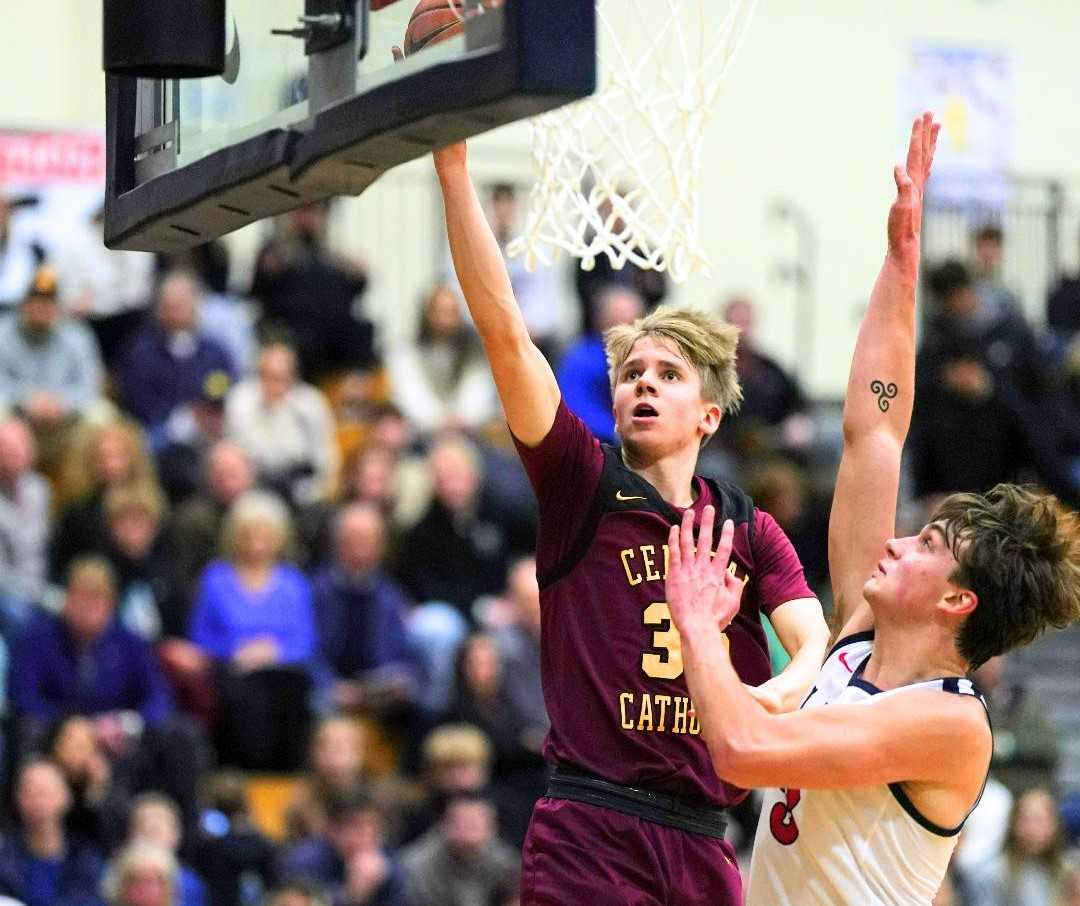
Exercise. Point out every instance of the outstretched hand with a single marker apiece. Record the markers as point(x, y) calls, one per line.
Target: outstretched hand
point(700, 590)
point(905, 216)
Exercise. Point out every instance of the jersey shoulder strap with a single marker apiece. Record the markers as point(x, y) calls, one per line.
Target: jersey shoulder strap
point(735, 504)
point(622, 490)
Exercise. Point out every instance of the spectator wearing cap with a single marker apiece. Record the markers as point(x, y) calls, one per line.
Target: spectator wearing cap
point(25, 500)
point(189, 435)
point(50, 367)
point(164, 365)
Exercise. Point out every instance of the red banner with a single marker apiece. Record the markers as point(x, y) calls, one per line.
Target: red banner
point(42, 158)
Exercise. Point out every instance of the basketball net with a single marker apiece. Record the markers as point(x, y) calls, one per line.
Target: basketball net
point(618, 173)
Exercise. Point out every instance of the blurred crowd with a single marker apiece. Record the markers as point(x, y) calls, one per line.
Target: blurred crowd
point(250, 551)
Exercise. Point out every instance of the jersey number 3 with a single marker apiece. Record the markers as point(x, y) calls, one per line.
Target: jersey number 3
point(668, 665)
point(782, 818)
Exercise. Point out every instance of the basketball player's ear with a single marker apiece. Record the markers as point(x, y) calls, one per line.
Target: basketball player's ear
point(960, 601)
point(710, 418)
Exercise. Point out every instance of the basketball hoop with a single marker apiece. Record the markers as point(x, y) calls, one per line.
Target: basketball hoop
point(618, 173)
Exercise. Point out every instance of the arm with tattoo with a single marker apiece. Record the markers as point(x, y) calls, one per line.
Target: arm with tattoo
point(881, 389)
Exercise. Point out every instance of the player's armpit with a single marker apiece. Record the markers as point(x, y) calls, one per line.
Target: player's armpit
point(928, 737)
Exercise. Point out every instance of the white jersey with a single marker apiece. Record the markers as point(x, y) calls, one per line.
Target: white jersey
point(865, 846)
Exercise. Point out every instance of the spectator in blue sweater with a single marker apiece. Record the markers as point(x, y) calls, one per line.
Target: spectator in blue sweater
point(253, 616)
point(361, 615)
point(166, 364)
point(583, 371)
point(85, 662)
point(39, 864)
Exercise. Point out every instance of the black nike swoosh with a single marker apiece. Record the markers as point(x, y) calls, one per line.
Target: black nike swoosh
point(428, 39)
point(232, 58)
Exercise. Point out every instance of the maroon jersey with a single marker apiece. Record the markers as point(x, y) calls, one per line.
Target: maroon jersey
point(611, 657)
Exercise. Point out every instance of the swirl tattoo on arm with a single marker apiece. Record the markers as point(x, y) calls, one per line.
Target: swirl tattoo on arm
point(884, 393)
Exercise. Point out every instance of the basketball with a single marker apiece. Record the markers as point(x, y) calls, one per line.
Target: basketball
point(433, 21)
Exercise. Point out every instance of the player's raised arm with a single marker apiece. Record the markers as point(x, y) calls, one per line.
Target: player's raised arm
point(526, 384)
point(880, 392)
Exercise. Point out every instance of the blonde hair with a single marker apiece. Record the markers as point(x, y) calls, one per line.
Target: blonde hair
point(255, 506)
point(154, 799)
point(134, 857)
point(707, 343)
point(455, 744)
point(92, 570)
point(354, 728)
point(145, 498)
point(78, 476)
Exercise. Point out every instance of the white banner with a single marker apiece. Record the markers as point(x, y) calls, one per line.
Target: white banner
point(971, 91)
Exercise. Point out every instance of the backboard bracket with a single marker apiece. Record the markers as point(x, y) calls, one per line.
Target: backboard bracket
point(516, 61)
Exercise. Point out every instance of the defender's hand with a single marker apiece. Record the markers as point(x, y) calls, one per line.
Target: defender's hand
point(700, 590)
point(905, 216)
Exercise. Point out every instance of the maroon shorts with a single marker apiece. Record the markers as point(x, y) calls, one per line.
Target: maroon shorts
point(584, 855)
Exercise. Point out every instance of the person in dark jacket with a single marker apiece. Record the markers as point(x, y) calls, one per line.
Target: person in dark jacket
point(360, 613)
point(107, 456)
point(235, 860)
point(980, 385)
point(83, 661)
point(310, 295)
point(460, 548)
point(351, 857)
point(166, 363)
point(40, 864)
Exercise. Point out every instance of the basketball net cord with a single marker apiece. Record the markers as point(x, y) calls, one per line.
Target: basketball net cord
point(618, 174)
